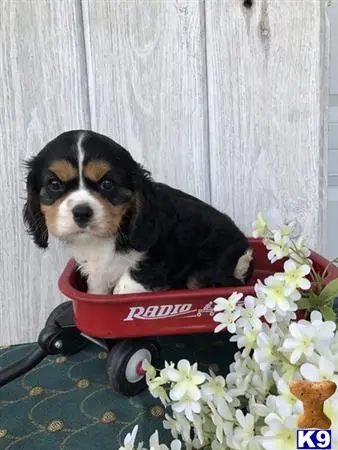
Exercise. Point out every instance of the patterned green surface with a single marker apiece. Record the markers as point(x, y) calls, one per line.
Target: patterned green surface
point(66, 403)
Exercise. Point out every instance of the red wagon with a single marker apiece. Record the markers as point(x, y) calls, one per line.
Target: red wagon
point(125, 324)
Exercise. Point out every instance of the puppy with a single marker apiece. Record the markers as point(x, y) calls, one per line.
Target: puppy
point(127, 233)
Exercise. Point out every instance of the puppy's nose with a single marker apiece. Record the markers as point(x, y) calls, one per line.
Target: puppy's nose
point(82, 214)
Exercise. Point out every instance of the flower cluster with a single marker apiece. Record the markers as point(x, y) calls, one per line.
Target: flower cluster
point(252, 407)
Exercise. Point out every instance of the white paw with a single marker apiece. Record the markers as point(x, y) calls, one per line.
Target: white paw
point(95, 287)
point(126, 285)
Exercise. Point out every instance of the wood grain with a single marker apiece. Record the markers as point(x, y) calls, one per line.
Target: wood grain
point(253, 83)
point(333, 17)
point(146, 71)
point(267, 96)
point(43, 92)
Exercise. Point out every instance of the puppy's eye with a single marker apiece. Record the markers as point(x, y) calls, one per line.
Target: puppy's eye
point(55, 185)
point(107, 185)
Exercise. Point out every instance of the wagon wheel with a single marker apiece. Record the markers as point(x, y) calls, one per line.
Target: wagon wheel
point(124, 365)
point(62, 316)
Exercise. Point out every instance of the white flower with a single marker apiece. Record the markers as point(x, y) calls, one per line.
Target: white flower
point(280, 434)
point(215, 445)
point(227, 312)
point(243, 436)
point(185, 392)
point(213, 388)
point(129, 440)
point(187, 379)
point(285, 317)
point(239, 371)
point(251, 314)
point(299, 251)
point(222, 418)
point(226, 321)
point(260, 383)
point(227, 305)
point(156, 388)
point(286, 398)
point(281, 317)
point(331, 410)
point(279, 295)
point(324, 370)
point(294, 275)
point(207, 410)
point(279, 246)
point(218, 422)
point(324, 329)
point(260, 226)
point(271, 407)
point(285, 230)
point(226, 412)
point(257, 409)
point(175, 445)
point(183, 426)
point(155, 445)
point(301, 341)
point(149, 370)
point(200, 437)
point(246, 339)
point(265, 351)
point(317, 333)
point(171, 424)
point(188, 406)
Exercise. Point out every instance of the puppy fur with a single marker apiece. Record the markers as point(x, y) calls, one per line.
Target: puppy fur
point(127, 232)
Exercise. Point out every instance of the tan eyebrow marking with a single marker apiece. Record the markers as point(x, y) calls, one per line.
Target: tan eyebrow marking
point(63, 170)
point(95, 170)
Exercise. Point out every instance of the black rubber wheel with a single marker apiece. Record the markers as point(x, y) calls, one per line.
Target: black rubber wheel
point(124, 365)
point(62, 316)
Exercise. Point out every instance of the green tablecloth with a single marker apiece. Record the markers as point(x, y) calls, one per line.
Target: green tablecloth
point(66, 403)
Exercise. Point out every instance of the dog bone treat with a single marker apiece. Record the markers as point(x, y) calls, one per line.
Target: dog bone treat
point(313, 395)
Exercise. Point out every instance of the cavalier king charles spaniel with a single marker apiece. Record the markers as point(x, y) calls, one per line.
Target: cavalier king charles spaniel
point(126, 232)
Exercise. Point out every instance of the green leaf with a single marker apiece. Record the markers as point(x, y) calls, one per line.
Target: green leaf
point(328, 313)
point(304, 303)
point(329, 292)
point(315, 301)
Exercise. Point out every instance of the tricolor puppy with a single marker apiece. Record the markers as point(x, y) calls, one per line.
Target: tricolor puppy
point(128, 233)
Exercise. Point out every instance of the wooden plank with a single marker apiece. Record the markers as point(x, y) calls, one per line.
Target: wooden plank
point(333, 16)
point(332, 220)
point(146, 69)
point(268, 86)
point(43, 93)
point(333, 161)
point(333, 110)
point(333, 135)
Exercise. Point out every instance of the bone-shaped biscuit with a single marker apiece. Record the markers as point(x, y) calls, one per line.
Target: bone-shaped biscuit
point(313, 395)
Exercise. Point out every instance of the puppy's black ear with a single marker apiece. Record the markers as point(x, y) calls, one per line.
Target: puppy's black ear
point(145, 220)
point(32, 215)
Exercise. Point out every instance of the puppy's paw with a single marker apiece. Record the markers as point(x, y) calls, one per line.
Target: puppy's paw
point(96, 287)
point(126, 285)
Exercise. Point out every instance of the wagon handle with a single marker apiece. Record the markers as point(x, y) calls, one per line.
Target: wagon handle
point(49, 343)
point(60, 335)
point(22, 366)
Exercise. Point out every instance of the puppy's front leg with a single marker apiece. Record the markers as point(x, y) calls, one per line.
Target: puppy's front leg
point(97, 286)
point(126, 285)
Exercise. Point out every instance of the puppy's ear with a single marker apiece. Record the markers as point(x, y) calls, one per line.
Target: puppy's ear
point(32, 215)
point(144, 222)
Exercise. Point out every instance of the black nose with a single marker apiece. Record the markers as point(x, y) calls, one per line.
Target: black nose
point(82, 214)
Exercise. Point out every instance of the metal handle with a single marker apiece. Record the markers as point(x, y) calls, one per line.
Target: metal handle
point(22, 366)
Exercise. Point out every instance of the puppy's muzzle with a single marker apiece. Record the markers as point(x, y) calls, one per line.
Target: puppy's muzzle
point(82, 215)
